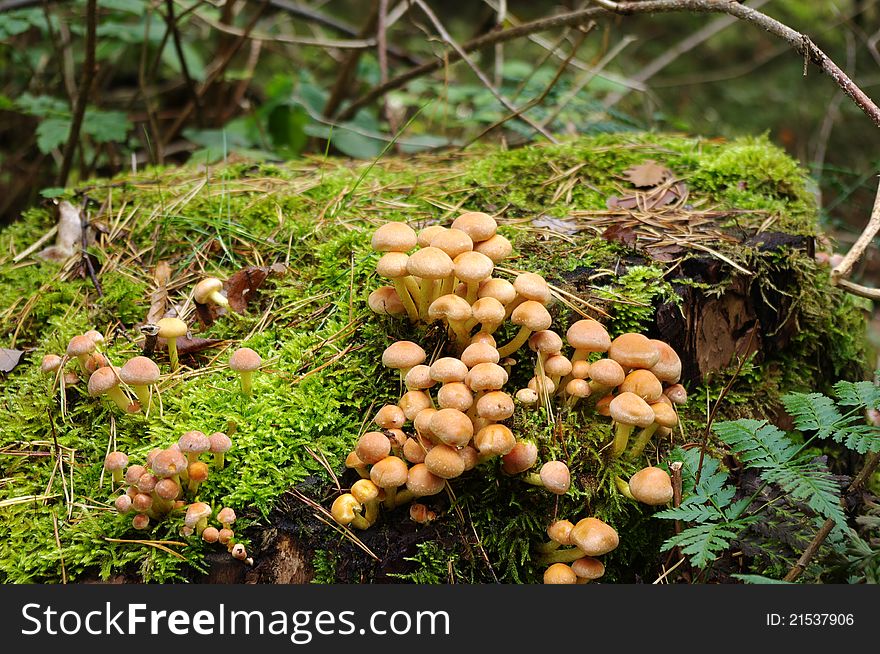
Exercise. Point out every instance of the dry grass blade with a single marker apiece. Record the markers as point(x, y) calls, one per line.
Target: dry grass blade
point(60, 549)
point(27, 499)
point(324, 516)
point(321, 458)
point(158, 544)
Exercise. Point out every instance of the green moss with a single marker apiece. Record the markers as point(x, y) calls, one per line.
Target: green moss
point(322, 346)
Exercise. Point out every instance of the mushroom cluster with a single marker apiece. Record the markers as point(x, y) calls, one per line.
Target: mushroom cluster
point(571, 552)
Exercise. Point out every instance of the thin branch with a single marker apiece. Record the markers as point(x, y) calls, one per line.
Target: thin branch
point(344, 80)
point(88, 74)
point(184, 68)
point(858, 248)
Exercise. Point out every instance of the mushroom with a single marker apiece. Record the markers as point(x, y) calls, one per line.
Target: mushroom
point(668, 366)
point(80, 347)
point(605, 375)
point(587, 336)
point(476, 353)
point(527, 396)
point(197, 472)
point(594, 537)
point(140, 373)
point(677, 394)
point(123, 504)
point(455, 395)
point(393, 266)
point(531, 317)
point(421, 482)
point(372, 447)
point(447, 370)
point(346, 510)
point(140, 521)
point(456, 312)
point(453, 242)
point(419, 378)
point(196, 517)
point(390, 416)
point(169, 464)
point(497, 248)
point(644, 384)
point(171, 329)
point(500, 289)
point(192, 444)
point(633, 351)
point(495, 406)
point(96, 360)
point(521, 458)
point(452, 427)
point(220, 445)
point(427, 234)
point(554, 476)
point(114, 463)
point(560, 573)
point(476, 224)
point(402, 356)
point(211, 535)
point(444, 461)
point(664, 416)
point(421, 514)
point(245, 362)
point(628, 411)
point(494, 440)
point(165, 493)
point(50, 363)
point(385, 301)
point(226, 517)
point(431, 265)
point(588, 569)
point(652, 486)
point(353, 462)
point(105, 382)
point(209, 291)
point(488, 313)
point(576, 389)
point(389, 473)
point(367, 493)
point(414, 449)
point(529, 287)
point(473, 268)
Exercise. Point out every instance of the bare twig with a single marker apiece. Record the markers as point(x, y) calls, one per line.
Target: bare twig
point(843, 269)
point(79, 111)
point(342, 86)
point(184, 67)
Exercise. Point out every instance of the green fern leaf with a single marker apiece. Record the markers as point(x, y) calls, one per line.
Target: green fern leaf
point(861, 438)
point(813, 412)
point(862, 393)
point(703, 543)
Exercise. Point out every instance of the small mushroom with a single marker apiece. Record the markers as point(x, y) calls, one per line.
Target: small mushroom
point(346, 510)
point(431, 265)
point(209, 290)
point(388, 474)
point(50, 363)
point(560, 573)
point(140, 373)
point(628, 411)
point(530, 316)
point(211, 535)
point(402, 356)
point(245, 362)
point(226, 517)
point(652, 486)
point(192, 444)
point(521, 458)
point(105, 382)
point(220, 445)
point(594, 537)
point(171, 329)
point(553, 476)
point(633, 351)
point(196, 517)
point(114, 463)
point(197, 473)
point(372, 447)
point(80, 347)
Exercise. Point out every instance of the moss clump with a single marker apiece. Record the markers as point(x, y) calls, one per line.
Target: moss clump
point(322, 346)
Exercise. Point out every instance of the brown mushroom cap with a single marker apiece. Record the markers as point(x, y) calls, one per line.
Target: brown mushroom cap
point(476, 224)
point(644, 384)
point(411, 403)
point(194, 442)
point(80, 345)
point(345, 508)
point(664, 414)
point(588, 335)
point(426, 235)
point(364, 490)
point(630, 409)
point(581, 369)
point(139, 371)
point(473, 267)
point(588, 568)
point(102, 380)
point(488, 310)
point(500, 289)
point(422, 423)
point(453, 242)
point(167, 489)
point(531, 315)
point(495, 406)
point(633, 351)
point(195, 512)
point(392, 265)
point(542, 384)
point(430, 263)
point(668, 367)
point(486, 377)
point(494, 440)
point(171, 328)
point(115, 461)
point(419, 378)
point(372, 447)
point(134, 473)
point(578, 388)
point(476, 353)
point(50, 363)
point(385, 300)
point(677, 394)
point(244, 359)
point(560, 531)
point(394, 237)
point(528, 396)
point(403, 355)
point(450, 307)
point(197, 471)
point(390, 416)
point(521, 458)
point(557, 366)
point(485, 338)
point(560, 573)
point(455, 395)
point(444, 461)
point(123, 504)
point(532, 286)
point(497, 248)
point(422, 482)
point(545, 341)
point(452, 427)
point(414, 450)
point(556, 477)
point(607, 372)
point(220, 442)
point(448, 369)
point(390, 472)
point(651, 486)
point(205, 288)
point(594, 537)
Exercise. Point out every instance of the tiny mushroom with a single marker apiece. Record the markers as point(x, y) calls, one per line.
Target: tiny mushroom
point(114, 463)
point(628, 411)
point(245, 362)
point(220, 445)
point(171, 329)
point(196, 517)
point(192, 444)
point(530, 316)
point(105, 382)
point(652, 486)
point(209, 290)
point(389, 473)
point(402, 356)
point(560, 573)
point(197, 473)
point(226, 517)
point(80, 347)
point(50, 363)
point(140, 373)
point(594, 537)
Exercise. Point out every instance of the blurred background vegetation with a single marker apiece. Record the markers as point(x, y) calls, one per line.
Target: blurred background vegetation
point(199, 80)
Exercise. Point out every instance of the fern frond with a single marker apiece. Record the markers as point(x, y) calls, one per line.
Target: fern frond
point(861, 438)
point(861, 393)
point(756, 442)
point(703, 543)
point(813, 412)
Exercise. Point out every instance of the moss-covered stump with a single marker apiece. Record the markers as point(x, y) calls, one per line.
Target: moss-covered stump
point(714, 255)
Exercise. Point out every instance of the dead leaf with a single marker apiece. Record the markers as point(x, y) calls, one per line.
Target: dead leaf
point(9, 359)
point(159, 296)
point(186, 345)
point(69, 236)
point(618, 234)
point(626, 202)
point(558, 225)
point(666, 253)
point(649, 173)
point(241, 287)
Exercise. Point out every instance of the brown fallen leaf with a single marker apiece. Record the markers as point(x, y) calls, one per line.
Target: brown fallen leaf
point(649, 173)
point(618, 234)
point(626, 202)
point(240, 287)
point(558, 225)
point(666, 253)
point(159, 295)
point(9, 359)
point(186, 345)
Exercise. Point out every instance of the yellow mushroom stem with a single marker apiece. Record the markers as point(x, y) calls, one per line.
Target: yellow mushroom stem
point(521, 337)
point(622, 433)
point(172, 352)
point(623, 487)
point(403, 293)
point(642, 440)
point(562, 555)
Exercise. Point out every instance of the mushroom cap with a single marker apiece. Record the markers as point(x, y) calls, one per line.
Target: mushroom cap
point(452, 427)
point(532, 286)
point(450, 307)
point(146, 483)
point(528, 396)
point(220, 442)
point(473, 267)
point(123, 504)
point(80, 345)
point(560, 531)
point(205, 288)
point(414, 450)
point(497, 248)
point(345, 508)
point(134, 473)
point(453, 242)
point(385, 301)
point(167, 489)
point(483, 337)
point(448, 369)
point(607, 372)
point(531, 315)
point(115, 461)
point(197, 471)
point(411, 404)
point(364, 490)
point(426, 235)
point(486, 377)
point(96, 336)
point(171, 328)
point(651, 486)
point(210, 535)
point(556, 477)
point(677, 394)
point(633, 351)
point(140, 521)
point(477, 353)
point(226, 516)
point(630, 409)
point(544, 383)
point(422, 423)
point(560, 573)
point(557, 366)
point(594, 537)
point(139, 371)
point(455, 395)
point(102, 380)
point(589, 335)
point(394, 237)
point(578, 388)
point(581, 369)
point(390, 472)
point(476, 224)
point(142, 502)
point(521, 458)
point(422, 482)
point(603, 405)
point(195, 512)
point(168, 463)
point(495, 406)
point(244, 359)
point(494, 440)
point(194, 442)
point(403, 355)
point(501, 289)
point(668, 367)
point(96, 360)
point(392, 265)
point(664, 414)
point(589, 568)
point(372, 447)
point(470, 456)
point(430, 263)
point(444, 461)
point(419, 378)
point(50, 363)
point(354, 461)
point(390, 416)
point(644, 384)
point(488, 310)
point(545, 341)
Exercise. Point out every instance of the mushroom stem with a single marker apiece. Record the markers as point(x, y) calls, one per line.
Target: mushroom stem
point(219, 460)
point(218, 298)
point(117, 476)
point(621, 438)
point(562, 555)
point(172, 352)
point(425, 291)
point(247, 381)
point(405, 298)
point(119, 398)
point(144, 396)
point(533, 478)
point(547, 548)
point(642, 440)
point(623, 487)
point(201, 525)
point(521, 337)
point(83, 361)
point(390, 496)
point(403, 497)
point(472, 289)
